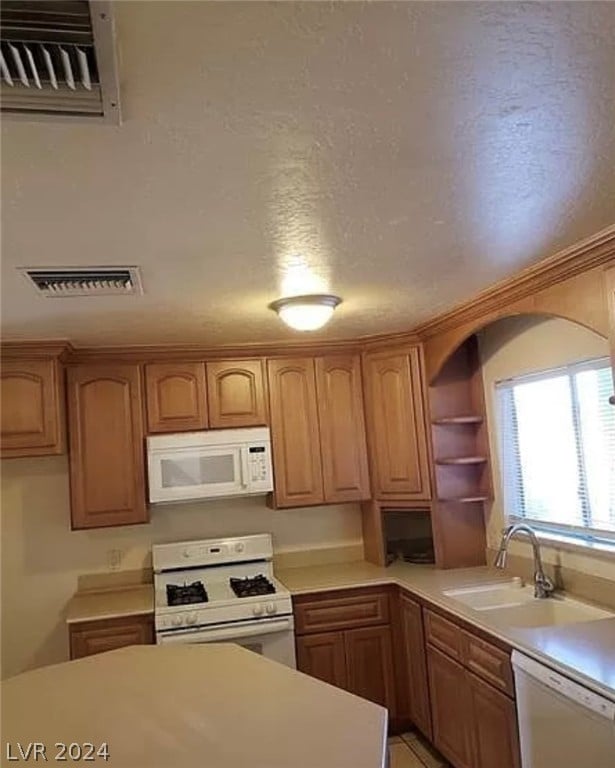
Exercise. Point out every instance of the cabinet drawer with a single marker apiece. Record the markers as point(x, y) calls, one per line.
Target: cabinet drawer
point(360, 610)
point(488, 662)
point(443, 634)
point(98, 636)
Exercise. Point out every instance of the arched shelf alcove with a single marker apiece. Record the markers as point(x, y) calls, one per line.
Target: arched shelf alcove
point(460, 444)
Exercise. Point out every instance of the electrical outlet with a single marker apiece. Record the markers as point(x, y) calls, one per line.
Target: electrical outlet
point(114, 559)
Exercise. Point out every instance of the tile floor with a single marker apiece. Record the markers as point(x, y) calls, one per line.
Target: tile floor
point(410, 750)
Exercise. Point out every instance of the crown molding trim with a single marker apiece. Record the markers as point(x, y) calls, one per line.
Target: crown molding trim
point(591, 253)
point(38, 349)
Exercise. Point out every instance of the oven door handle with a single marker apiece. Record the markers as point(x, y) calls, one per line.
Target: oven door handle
point(205, 635)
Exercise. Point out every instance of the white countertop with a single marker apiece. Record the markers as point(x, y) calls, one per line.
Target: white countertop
point(93, 605)
point(584, 651)
point(214, 705)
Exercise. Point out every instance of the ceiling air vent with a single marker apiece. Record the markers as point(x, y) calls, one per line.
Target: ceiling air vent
point(57, 59)
point(102, 281)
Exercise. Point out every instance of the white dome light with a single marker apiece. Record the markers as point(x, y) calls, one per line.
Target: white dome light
point(306, 313)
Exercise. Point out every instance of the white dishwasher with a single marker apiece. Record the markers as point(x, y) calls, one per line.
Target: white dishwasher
point(561, 723)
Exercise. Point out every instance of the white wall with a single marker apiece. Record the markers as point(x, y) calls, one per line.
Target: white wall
point(42, 558)
point(520, 345)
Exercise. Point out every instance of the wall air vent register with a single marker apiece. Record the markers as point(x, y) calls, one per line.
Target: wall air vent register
point(61, 283)
point(58, 60)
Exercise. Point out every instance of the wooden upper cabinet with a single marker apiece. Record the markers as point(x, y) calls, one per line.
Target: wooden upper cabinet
point(176, 397)
point(32, 397)
point(107, 475)
point(411, 619)
point(236, 393)
point(396, 425)
point(295, 433)
point(342, 428)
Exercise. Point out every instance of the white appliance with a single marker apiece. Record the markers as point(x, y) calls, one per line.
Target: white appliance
point(202, 465)
point(223, 590)
point(561, 723)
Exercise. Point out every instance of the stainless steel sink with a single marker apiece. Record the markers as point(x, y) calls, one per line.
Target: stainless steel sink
point(514, 605)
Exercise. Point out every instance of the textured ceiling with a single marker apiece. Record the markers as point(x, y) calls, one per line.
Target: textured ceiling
point(403, 155)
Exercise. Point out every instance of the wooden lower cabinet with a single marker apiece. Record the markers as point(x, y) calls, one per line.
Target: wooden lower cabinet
point(90, 637)
point(450, 708)
point(344, 638)
point(323, 656)
point(369, 665)
point(495, 734)
point(474, 723)
point(415, 664)
point(358, 660)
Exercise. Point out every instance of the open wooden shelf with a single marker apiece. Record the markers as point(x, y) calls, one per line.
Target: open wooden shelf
point(462, 460)
point(465, 499)
point(469, 419)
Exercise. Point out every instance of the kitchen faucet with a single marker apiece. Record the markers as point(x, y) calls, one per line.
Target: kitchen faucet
point(543, 586)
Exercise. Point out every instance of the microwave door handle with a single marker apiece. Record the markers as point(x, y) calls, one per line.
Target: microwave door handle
point(243, 465)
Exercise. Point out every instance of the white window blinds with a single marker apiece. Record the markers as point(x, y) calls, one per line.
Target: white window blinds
point(557, 435)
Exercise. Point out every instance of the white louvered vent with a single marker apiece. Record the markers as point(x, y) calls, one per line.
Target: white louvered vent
point(57, 58)
point(61, 283)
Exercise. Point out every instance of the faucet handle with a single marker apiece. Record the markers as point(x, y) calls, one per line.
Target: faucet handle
point(543, 585)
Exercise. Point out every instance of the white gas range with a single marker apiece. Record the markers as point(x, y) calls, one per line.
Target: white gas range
point(223, 590)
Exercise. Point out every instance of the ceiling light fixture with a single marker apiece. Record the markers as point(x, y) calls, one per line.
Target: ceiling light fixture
point(306, 313)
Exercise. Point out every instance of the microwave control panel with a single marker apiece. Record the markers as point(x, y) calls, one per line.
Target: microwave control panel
point(259, 463)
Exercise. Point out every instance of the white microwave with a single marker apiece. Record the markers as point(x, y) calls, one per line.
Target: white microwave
point(204, 465)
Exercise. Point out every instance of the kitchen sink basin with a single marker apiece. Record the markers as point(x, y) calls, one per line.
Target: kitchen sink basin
point(551, 611)
point(486, 597)
point(514, 605)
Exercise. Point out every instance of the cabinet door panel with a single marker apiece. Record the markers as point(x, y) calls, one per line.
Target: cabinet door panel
point(92, 637)
point(236, 393)
point(176, 399)
point(495, 730)
point(450, 708)
point(369, 665)
point(397, 433)
point(32, 408)
point(294, 432)
point(323, 656)
point(415, 664)
point(342, 428)
point(106, 446)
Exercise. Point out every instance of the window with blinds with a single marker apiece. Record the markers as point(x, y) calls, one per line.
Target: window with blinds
point(557, 434)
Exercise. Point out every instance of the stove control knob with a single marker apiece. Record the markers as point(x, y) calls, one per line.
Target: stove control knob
point(239, 547)
point(186, 553)
point(257, 610)
point(271, 608)
point(191, 618)
point(177, 621)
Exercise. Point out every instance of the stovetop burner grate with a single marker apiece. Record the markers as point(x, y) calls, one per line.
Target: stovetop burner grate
point(185, 594)
point(252, 586)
